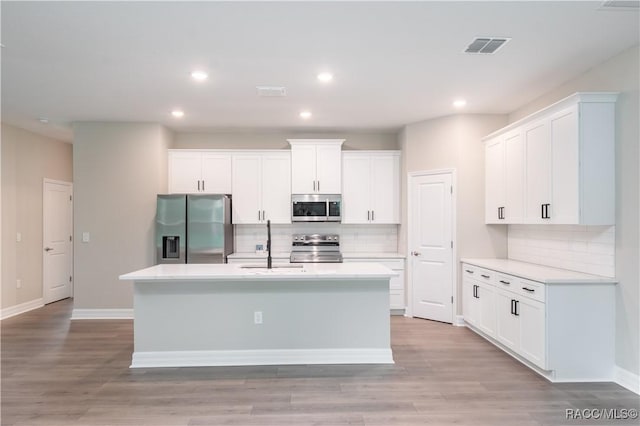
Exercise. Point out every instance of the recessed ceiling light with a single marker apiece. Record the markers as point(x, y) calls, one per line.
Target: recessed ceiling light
point(199, 75)
point(43, 120)
point(305, 114)
point(177, 113)
point(459, 103)
point(325, 77)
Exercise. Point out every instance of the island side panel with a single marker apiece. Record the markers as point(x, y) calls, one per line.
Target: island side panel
point(215, 318)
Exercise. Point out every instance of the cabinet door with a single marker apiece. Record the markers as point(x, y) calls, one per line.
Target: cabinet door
point(216, 173)
point(532, 331)
point(276, 187)
point(356, 188)
point(487, 314)
point(537, 170)
point(184, 172)
point(507, 324)
point(328, 169)
point(469, 302)
point(514, 178)
point(385, 190)
point(565, 154)
point(303, 169)
point(494, 180)
point(246, 189)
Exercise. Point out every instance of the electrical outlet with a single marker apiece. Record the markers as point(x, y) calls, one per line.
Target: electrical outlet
point(257, 317)
point(86, 237)
point(18, 283)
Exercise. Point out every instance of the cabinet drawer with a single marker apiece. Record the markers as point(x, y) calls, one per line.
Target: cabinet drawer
point(531, 289)
point(478, 274)
point(507, 282)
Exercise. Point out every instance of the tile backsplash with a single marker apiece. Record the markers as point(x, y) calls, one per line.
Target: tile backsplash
point(589, 249)
point(353, 238)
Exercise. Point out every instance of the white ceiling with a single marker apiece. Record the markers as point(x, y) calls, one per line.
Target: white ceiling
point(394, 62)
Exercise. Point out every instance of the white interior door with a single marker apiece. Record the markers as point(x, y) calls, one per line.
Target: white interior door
point(430, 246)
point(57, 242)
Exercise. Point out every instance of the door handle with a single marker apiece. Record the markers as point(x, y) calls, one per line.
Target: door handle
point(203, 185)
point(48, 249)
point(198, 185)
point(415, 253)
point(372, 215)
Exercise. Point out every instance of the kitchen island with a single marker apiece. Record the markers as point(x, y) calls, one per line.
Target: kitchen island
point(227, 314)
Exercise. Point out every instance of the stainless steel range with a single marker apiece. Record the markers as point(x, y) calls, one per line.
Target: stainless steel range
point(315, 248)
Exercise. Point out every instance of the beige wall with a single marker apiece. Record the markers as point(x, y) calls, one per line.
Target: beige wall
point(27, 158)
point(619, 74)
point(453, 142)
point(118, 170)
point(278, 140)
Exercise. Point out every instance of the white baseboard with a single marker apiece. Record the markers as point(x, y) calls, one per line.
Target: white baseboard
point(458, 321)
point(260, 357)
point(90, 314)
point(12, 311)
point(627, 379)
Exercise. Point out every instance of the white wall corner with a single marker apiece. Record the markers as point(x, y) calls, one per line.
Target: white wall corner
point(627, 379)
point(92, 314)
point(458, 321)
point(12, 311)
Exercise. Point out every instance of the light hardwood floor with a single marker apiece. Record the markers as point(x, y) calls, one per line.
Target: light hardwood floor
point(58, 372)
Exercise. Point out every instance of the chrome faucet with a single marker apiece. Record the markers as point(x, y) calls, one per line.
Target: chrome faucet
point(268, 244)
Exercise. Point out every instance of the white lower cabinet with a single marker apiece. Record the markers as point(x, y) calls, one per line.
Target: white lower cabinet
point(479, 302)
point(564, 330)
point(396, 284)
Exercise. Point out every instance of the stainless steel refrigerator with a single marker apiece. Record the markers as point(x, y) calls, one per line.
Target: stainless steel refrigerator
point(193, 228)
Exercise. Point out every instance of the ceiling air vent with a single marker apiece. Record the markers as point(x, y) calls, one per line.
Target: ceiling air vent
point(271, 91)
point(486, 45)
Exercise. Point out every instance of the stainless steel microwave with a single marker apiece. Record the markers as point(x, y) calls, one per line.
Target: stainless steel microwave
point(316, 208)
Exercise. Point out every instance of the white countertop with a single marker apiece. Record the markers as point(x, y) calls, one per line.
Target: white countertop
point(227, 272)
point(540, 273)
point(347, 255)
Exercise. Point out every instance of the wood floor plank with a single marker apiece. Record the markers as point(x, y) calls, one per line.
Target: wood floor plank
point(58, 372)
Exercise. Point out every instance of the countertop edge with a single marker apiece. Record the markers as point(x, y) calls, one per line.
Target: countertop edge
point(543, 274)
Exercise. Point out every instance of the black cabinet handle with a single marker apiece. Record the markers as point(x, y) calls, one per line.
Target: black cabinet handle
point(514, 308)
point(469, 271)
point(475, 292)
point(485, 276)
point(542, 211)
point(203, 185)
point(529, 289)
point(545, 211)
point(505, 282)
point(198, 185)
point(500, 212)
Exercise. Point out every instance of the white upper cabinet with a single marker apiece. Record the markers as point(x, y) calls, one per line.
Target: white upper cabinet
point(199, 172)
point(371, 187)
point(504, 178)
point(315, 166)
point(562, 164)
point(261, 187)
